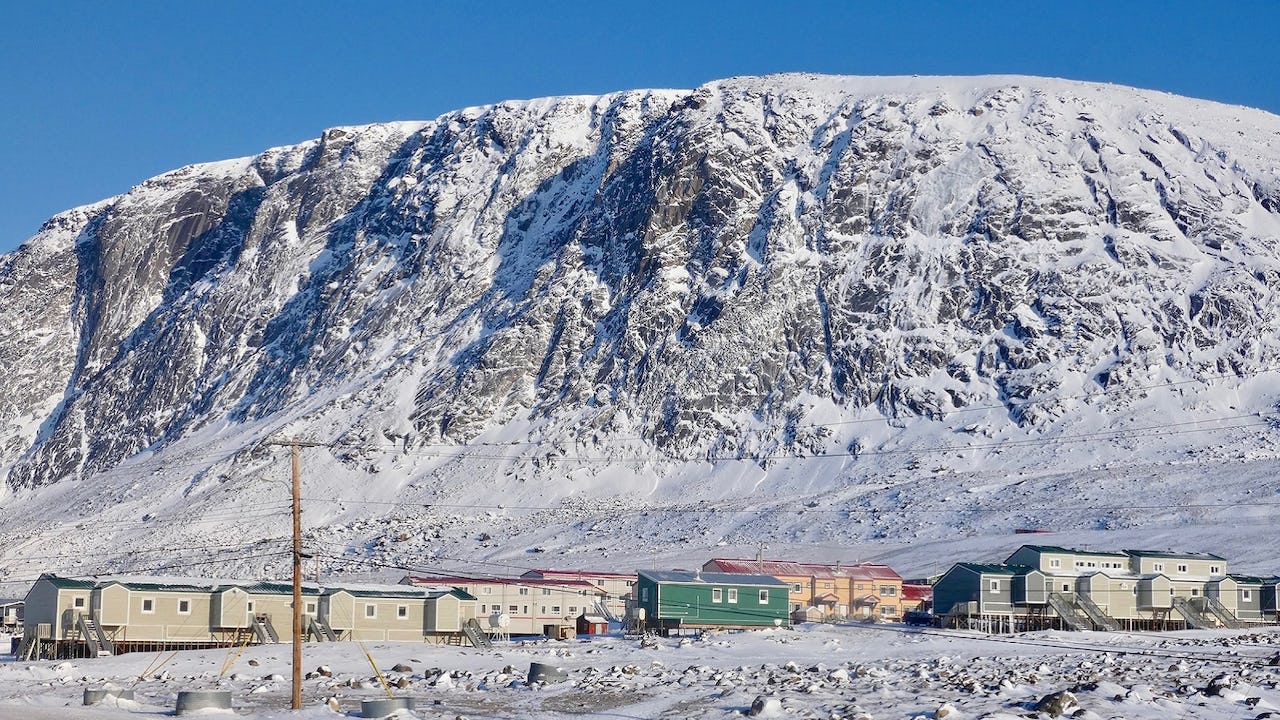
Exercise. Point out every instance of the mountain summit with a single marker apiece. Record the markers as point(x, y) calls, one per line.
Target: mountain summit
point(766, 287)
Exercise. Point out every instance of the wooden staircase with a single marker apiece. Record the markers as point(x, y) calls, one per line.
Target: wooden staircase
point(1069, 613)
point(264, 631)
point(93, 636)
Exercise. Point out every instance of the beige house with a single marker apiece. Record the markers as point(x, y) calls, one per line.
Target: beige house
point(70, 616)
point(1133, 589)
point(618, 587)
point(523, 606)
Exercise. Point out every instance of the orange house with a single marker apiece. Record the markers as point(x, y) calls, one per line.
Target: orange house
point(858, 591)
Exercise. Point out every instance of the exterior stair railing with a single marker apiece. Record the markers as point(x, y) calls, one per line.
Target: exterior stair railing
point(1100, 619)
point(1195, 618)
point(1069, 613)
point(1211, 606)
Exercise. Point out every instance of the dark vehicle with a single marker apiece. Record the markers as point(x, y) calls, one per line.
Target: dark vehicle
point(918, 618)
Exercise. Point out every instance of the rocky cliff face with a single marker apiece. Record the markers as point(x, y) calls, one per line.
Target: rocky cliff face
point(761, 268)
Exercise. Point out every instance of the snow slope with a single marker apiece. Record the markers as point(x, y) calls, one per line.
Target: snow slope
point(887, 318)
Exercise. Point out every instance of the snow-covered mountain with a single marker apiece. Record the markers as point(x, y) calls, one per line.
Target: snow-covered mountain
point(656, 319)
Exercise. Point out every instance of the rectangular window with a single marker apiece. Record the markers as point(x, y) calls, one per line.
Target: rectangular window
point(184, 606)
point(484, 609)
point(555, 609)
point(513, 609)
point(524, 609)
point(995, 586)
point(573, 609)
point(1214, 569)
point(248, 606)
point(888, 591)
point(715, 595)
point(1195, 592)
point(78, 602)
point(1158, 567)
point(546, 591)
point(148, 605)
point(524, 591)
point(764, 597)
point(486, 590)
point(1246, 595)
point(795, 588)
point(402, 611)
point(370, 610)
point(644, 595)
point(1055, 563)
point(1066, 587)
point(733, 595)
point(309, 609)
point(1182, 567)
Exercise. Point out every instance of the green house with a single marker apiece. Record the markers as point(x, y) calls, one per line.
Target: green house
point(689, 600)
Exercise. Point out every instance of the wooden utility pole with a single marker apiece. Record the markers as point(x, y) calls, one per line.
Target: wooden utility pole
point(296, 447)
point(297, 576)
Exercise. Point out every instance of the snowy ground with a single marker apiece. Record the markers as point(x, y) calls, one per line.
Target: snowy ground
point(814, 671)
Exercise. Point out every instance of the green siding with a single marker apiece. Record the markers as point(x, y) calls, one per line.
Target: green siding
point(696, 604)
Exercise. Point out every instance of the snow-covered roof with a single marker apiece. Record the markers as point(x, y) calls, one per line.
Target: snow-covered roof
point(865, 571)
point(709, 578)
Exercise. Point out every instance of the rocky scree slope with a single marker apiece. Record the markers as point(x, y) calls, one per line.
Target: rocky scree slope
point(759, 269)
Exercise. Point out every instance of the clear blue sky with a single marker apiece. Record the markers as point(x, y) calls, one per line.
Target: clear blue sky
point(101, 95)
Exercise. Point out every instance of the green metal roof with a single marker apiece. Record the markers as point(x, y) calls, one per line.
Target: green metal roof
point(1071, 551)
point(994, 568)
point(67, 583)
point(1169, 555)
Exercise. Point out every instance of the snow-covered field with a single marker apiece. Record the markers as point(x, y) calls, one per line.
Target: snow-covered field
point(813, 671)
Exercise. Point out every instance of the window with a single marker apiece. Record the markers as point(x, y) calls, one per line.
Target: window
point(715, 595)
point(1246, 595)
point(148, 605)
point(248, 606)
point(78, 602)
point(995, 586)
point(524, 591)
point(546, 591)
point(1195, 592)
point(309, 609)
point(644, 594)
point(1055, 562)
point(573, 609)
point(795, 588)
point(402, 611)
point(184, 606)
point(370, 610)
point(1066, 587)
point(524, 609)
point(1182, 567)
point(888, 591)
point(555, 609)
point(1158, 567)
point(486, 590)
point(1092, 564)
point(484, 609)
point(1214, 569)
point(795, 607)
point(733, 595)
point(888, 610)
point(513, 609)
point(764, 597)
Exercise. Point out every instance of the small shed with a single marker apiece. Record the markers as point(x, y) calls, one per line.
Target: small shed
point(592, 625)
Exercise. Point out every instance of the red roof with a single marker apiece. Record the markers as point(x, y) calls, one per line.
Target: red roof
point(857, 571)
point(454, 580)
point(578, 574)
point(915, 593)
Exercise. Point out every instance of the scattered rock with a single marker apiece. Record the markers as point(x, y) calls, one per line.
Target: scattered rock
point(947, 710)
point(765, 706)
point(1059, 703)
point(401, 667)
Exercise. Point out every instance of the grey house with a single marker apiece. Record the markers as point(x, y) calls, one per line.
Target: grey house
point(977, 589)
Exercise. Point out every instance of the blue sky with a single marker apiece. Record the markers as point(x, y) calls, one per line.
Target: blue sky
point(99, 96)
